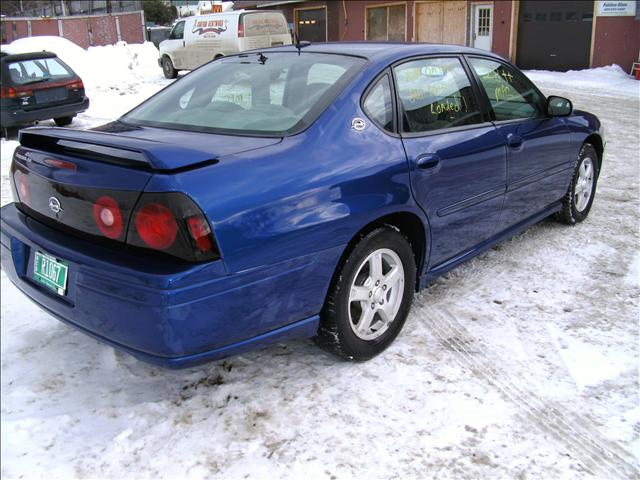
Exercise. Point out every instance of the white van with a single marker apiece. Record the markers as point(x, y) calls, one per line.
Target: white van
point(197, 40)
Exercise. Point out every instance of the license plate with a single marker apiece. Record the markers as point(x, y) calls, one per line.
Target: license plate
point(50, 272)
point(51, 95)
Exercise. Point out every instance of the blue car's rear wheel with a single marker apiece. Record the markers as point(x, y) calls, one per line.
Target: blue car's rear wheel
point(370, 296)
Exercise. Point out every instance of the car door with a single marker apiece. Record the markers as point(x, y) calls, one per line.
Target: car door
point(176, 46)
point(456, 156)
point(539, 152)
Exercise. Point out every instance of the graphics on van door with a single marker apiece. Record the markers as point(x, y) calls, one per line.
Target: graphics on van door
point(209, 28)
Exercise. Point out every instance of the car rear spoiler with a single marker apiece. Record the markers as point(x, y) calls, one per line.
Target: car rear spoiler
point(115, 149)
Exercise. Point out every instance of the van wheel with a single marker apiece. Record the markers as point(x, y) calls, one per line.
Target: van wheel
point(63, 121)
point(167, 68)
point(370, 296)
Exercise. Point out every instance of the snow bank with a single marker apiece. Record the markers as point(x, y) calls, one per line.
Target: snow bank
point(110, 66)
point(610, 80)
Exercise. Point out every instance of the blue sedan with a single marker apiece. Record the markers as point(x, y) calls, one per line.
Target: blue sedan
point(299, 191)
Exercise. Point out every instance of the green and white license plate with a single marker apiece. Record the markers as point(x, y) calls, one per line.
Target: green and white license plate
point(50, 272)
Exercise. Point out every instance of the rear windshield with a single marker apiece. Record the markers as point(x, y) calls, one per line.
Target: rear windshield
point(258, 24)
point(272, 94)
point(33, 71)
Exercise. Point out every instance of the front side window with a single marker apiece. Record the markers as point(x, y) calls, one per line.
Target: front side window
point(31, 71)
point(253, 93)
point(178, 31)
point(435, 94)
point(379, 106)
point(511, 95)
point(386, 23)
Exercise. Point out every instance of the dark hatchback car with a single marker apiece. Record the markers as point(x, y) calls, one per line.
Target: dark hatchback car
point(39, 86)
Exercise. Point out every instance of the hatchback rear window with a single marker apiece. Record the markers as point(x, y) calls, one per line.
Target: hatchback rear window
point(40, 70)
point(272, 94)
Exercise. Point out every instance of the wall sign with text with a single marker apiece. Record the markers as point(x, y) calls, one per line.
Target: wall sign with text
point(616, 8)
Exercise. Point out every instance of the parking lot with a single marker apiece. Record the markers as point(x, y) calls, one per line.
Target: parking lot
point(522, 363)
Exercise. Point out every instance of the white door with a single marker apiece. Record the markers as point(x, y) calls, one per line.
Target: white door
point(482, 27)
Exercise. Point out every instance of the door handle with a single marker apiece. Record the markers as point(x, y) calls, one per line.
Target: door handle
point(514, 140)
point(427, 161)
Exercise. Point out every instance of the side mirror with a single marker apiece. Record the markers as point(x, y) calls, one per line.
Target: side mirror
point(559, 106)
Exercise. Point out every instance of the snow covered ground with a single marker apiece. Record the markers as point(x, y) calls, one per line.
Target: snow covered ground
point(522, 363)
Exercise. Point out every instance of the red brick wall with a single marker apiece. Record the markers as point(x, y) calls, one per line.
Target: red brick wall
point(75, 30)
point(44, 27)
point(617, 40)
point(501, 27)
point(130, 28)
point(103, 29)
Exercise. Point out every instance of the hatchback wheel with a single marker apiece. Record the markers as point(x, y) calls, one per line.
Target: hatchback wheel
point(369, 299)
point(63, 121)
point(167, 68)
point(577, 202)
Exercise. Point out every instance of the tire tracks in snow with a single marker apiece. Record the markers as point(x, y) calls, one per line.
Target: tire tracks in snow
point(578, 437)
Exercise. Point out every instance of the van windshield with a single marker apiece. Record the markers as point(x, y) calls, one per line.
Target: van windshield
point(275, 93)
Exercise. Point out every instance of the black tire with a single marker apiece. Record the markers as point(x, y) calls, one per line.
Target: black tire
point(168, 69)
point(335, 333)
point(63, 121)
point(570, 213)
point(10, 133)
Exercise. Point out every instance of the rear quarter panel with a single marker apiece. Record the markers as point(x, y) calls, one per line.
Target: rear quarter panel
point(310, 193)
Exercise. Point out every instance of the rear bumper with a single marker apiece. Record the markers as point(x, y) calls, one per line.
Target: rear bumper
point(16, 116)
point(171, 315)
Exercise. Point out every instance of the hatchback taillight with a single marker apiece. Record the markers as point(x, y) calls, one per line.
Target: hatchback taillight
point(11, 92)
point(76, 85)
point(240, 27)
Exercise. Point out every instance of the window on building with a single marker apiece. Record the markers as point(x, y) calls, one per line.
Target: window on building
point(435, 94)
point(386, 23)
point(511, 95)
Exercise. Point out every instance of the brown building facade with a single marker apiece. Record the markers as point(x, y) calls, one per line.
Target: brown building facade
point(83, 30)
point(535, 34)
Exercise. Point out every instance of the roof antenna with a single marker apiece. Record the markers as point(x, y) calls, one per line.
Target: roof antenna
point(262, 59)
point(300, 43)
point(297, 39)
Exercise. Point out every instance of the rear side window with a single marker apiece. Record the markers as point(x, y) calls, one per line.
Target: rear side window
point(435, 94)
point(31, 71)
point(258, 24)
point(511, 95)
point(379, 106)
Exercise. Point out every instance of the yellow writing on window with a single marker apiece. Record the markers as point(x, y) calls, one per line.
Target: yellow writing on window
point(502, 92)
point(446, 106)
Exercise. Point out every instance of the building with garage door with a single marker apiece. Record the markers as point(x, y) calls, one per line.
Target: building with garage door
point(535, 34)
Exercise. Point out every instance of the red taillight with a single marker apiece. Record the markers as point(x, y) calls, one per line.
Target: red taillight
point(108, 217)
point(10, 92)
point(200, 233)
point(240, 28)
point(156, 226)
point(22, 186)
point(76, 85)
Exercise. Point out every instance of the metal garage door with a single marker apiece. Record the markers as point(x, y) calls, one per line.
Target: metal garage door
point(554, 35)
point(311, 24)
